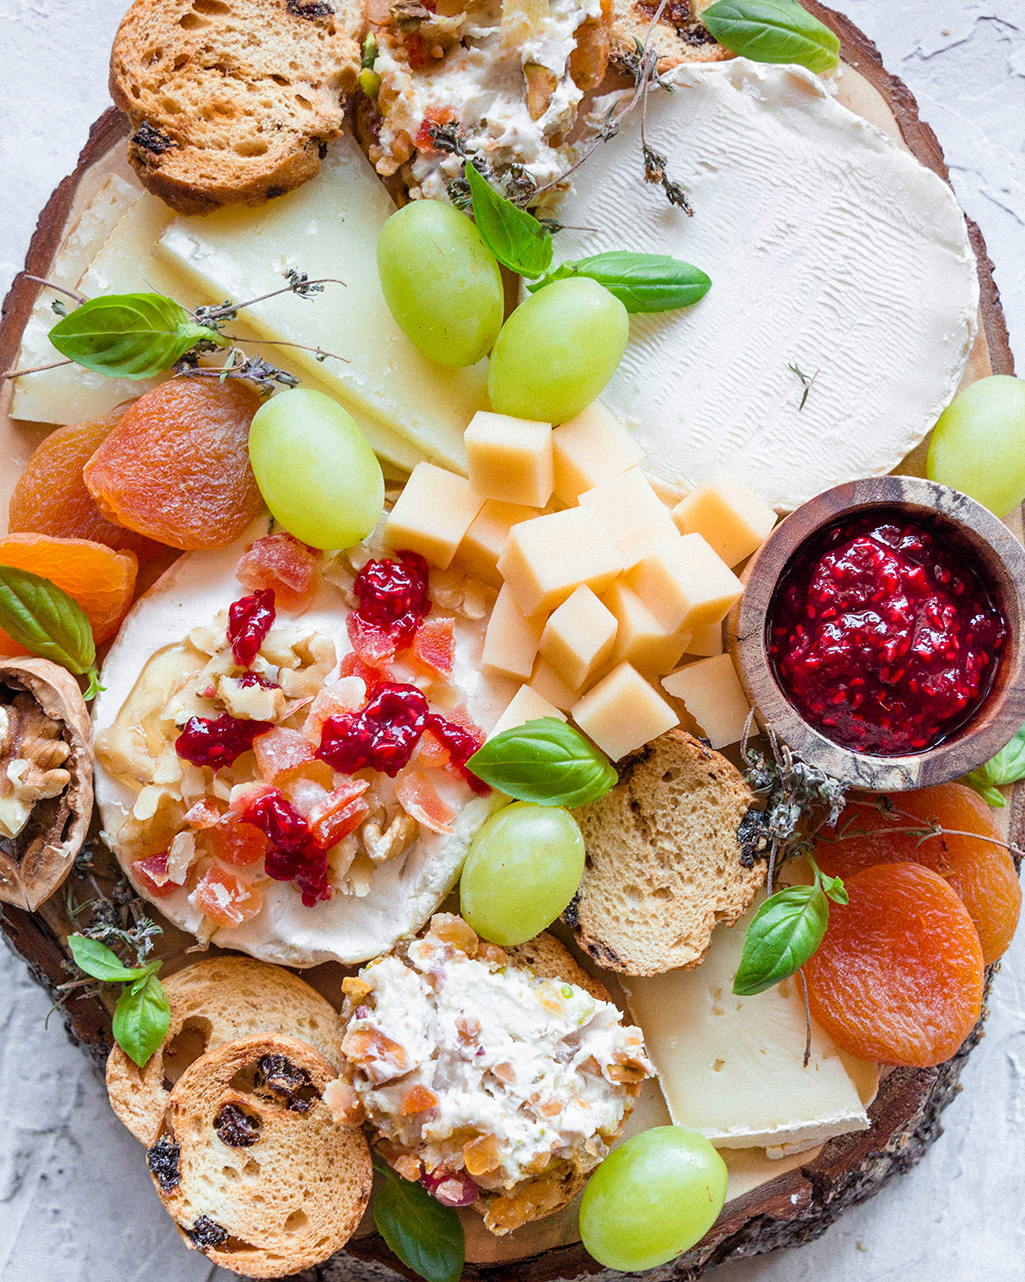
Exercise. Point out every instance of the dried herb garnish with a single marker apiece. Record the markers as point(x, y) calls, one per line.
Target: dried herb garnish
point(806, 382)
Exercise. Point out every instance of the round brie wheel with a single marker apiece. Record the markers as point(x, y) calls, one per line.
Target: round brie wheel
point(403, 891)
point(840, 266)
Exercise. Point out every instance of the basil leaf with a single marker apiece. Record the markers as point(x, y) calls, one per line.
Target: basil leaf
point(1008, 766)
point(142, 1017)
point(547, 762)
point(515, 237)
point(98, 960)
point(783, 934)
point(129, 335)
point(773, 31)
point(426, 1236)
point(45, 620)
point(641, 282)
point(834, 889)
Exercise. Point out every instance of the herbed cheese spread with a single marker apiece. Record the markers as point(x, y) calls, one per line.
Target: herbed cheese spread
point(481, 1078)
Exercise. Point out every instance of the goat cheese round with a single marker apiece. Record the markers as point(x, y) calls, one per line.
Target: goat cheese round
point(834, 255)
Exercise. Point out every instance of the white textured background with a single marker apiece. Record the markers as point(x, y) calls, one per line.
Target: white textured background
point(75, 1202)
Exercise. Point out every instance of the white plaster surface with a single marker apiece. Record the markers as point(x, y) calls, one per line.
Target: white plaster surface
point(75, 1202)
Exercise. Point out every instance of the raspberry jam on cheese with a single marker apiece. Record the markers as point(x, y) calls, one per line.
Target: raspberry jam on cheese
point(883, 636)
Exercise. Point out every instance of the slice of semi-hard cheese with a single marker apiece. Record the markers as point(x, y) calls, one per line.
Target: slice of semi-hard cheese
point(328, 228)
point(731, 1067)
point(829, 248)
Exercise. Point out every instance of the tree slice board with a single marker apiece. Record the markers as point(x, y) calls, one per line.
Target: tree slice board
point(776, 1204)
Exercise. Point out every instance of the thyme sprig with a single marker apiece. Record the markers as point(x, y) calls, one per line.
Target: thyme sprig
point(807, 380)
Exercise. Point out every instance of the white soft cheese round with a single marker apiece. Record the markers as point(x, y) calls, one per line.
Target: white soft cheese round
point(404, 891)
point(829, 247)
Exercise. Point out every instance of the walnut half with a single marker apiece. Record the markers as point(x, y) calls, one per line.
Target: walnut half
point(46, 778)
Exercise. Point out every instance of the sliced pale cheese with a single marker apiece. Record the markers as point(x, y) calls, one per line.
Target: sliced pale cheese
point(404, 891)
point(328, 228)
point(829, 247)
point(731, 1067)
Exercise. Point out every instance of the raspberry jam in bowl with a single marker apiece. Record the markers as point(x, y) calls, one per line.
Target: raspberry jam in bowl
point(881, 633)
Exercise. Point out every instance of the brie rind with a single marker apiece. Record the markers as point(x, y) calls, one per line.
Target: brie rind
point(731, 1067)
point(830, 248)
point(403, 891)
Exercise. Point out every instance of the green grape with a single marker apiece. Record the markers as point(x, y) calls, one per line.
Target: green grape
point(557, 351)
point(441, 282)
point(978, 445)
point(315, 469)
point(523, 868)
point(652, 1199)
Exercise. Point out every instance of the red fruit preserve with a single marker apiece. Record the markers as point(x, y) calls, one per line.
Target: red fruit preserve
point(883, 635)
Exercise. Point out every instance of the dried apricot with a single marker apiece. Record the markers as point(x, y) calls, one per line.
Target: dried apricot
point(979, 869)
point(898, 977)
point(176, 467)
point(50, 496)
point(101, 580)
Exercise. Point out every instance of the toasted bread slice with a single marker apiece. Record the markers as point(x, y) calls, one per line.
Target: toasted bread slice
point(232, 101)
point(663, 860)
point(213, 1001)
point(680, 35)
point(251, 1163)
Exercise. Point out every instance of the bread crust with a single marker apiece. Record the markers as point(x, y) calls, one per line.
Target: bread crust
point(251, 1163)
point(217, 1000)
point(232, 101)
point(664, 864)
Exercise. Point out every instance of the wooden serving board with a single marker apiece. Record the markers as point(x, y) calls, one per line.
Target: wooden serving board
point(782, 1204)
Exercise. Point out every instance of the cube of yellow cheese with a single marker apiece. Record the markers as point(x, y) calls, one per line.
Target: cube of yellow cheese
point(552, 685)
point(510, 459)
point(432, 514)
point(714, 697)
point(631, 512)
point(526, 705)
point(640, 639)
point(705, 641)
point(728, 515)
point(485, 540)
point(546, 559)
point(622, 712)
point(578, 637)
point(685, 584)
point(589, 449)
point(511, 639)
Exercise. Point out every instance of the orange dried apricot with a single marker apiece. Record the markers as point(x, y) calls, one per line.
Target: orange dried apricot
point(898, 977)
point(50, 496)
point(981, 871)
point(101, 580)
point(176, 467)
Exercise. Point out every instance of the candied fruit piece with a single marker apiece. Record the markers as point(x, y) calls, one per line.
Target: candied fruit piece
point(417, 1100)
point(968, 854)
point(238, 843)
point(176, 468)
point(50, 496)
point(451, 1188)
point(434, 645)
point(340, 813)
point(283, 564)
point(341, 696)
point(898, 977)
point(101, 580)
point(353, 666)
point(150, 875)
point(419, 798)
point(225, 898)
point(280, 752)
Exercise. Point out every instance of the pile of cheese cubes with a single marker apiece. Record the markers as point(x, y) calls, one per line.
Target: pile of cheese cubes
point(603, 588)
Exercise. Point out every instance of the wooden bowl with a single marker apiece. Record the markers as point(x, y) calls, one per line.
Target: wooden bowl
point(986, 542)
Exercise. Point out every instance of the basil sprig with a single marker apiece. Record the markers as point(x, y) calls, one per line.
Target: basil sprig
point(1008, 766)
point(426, 1236)
point(641, 282)
point(42, 617)
point(773, 31)
point(785, 932)
point(515, 237)
point(546, 762)
point(142, 1015)
point(129, 335)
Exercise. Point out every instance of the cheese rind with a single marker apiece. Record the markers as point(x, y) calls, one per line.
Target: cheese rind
point(711, 692)
point(432, 514)
point(547, 558)
point(622, 712)
point(632, 513)
point(510, 459)
point(728, 515)
point(590, 448)
point(731, 1068)
point(684, 584)
point(579, 637)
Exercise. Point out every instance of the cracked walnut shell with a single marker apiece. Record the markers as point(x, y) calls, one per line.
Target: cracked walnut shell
point(46, 778)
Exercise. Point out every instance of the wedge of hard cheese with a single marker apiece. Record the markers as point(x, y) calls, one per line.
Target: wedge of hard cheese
point(731, 1067)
